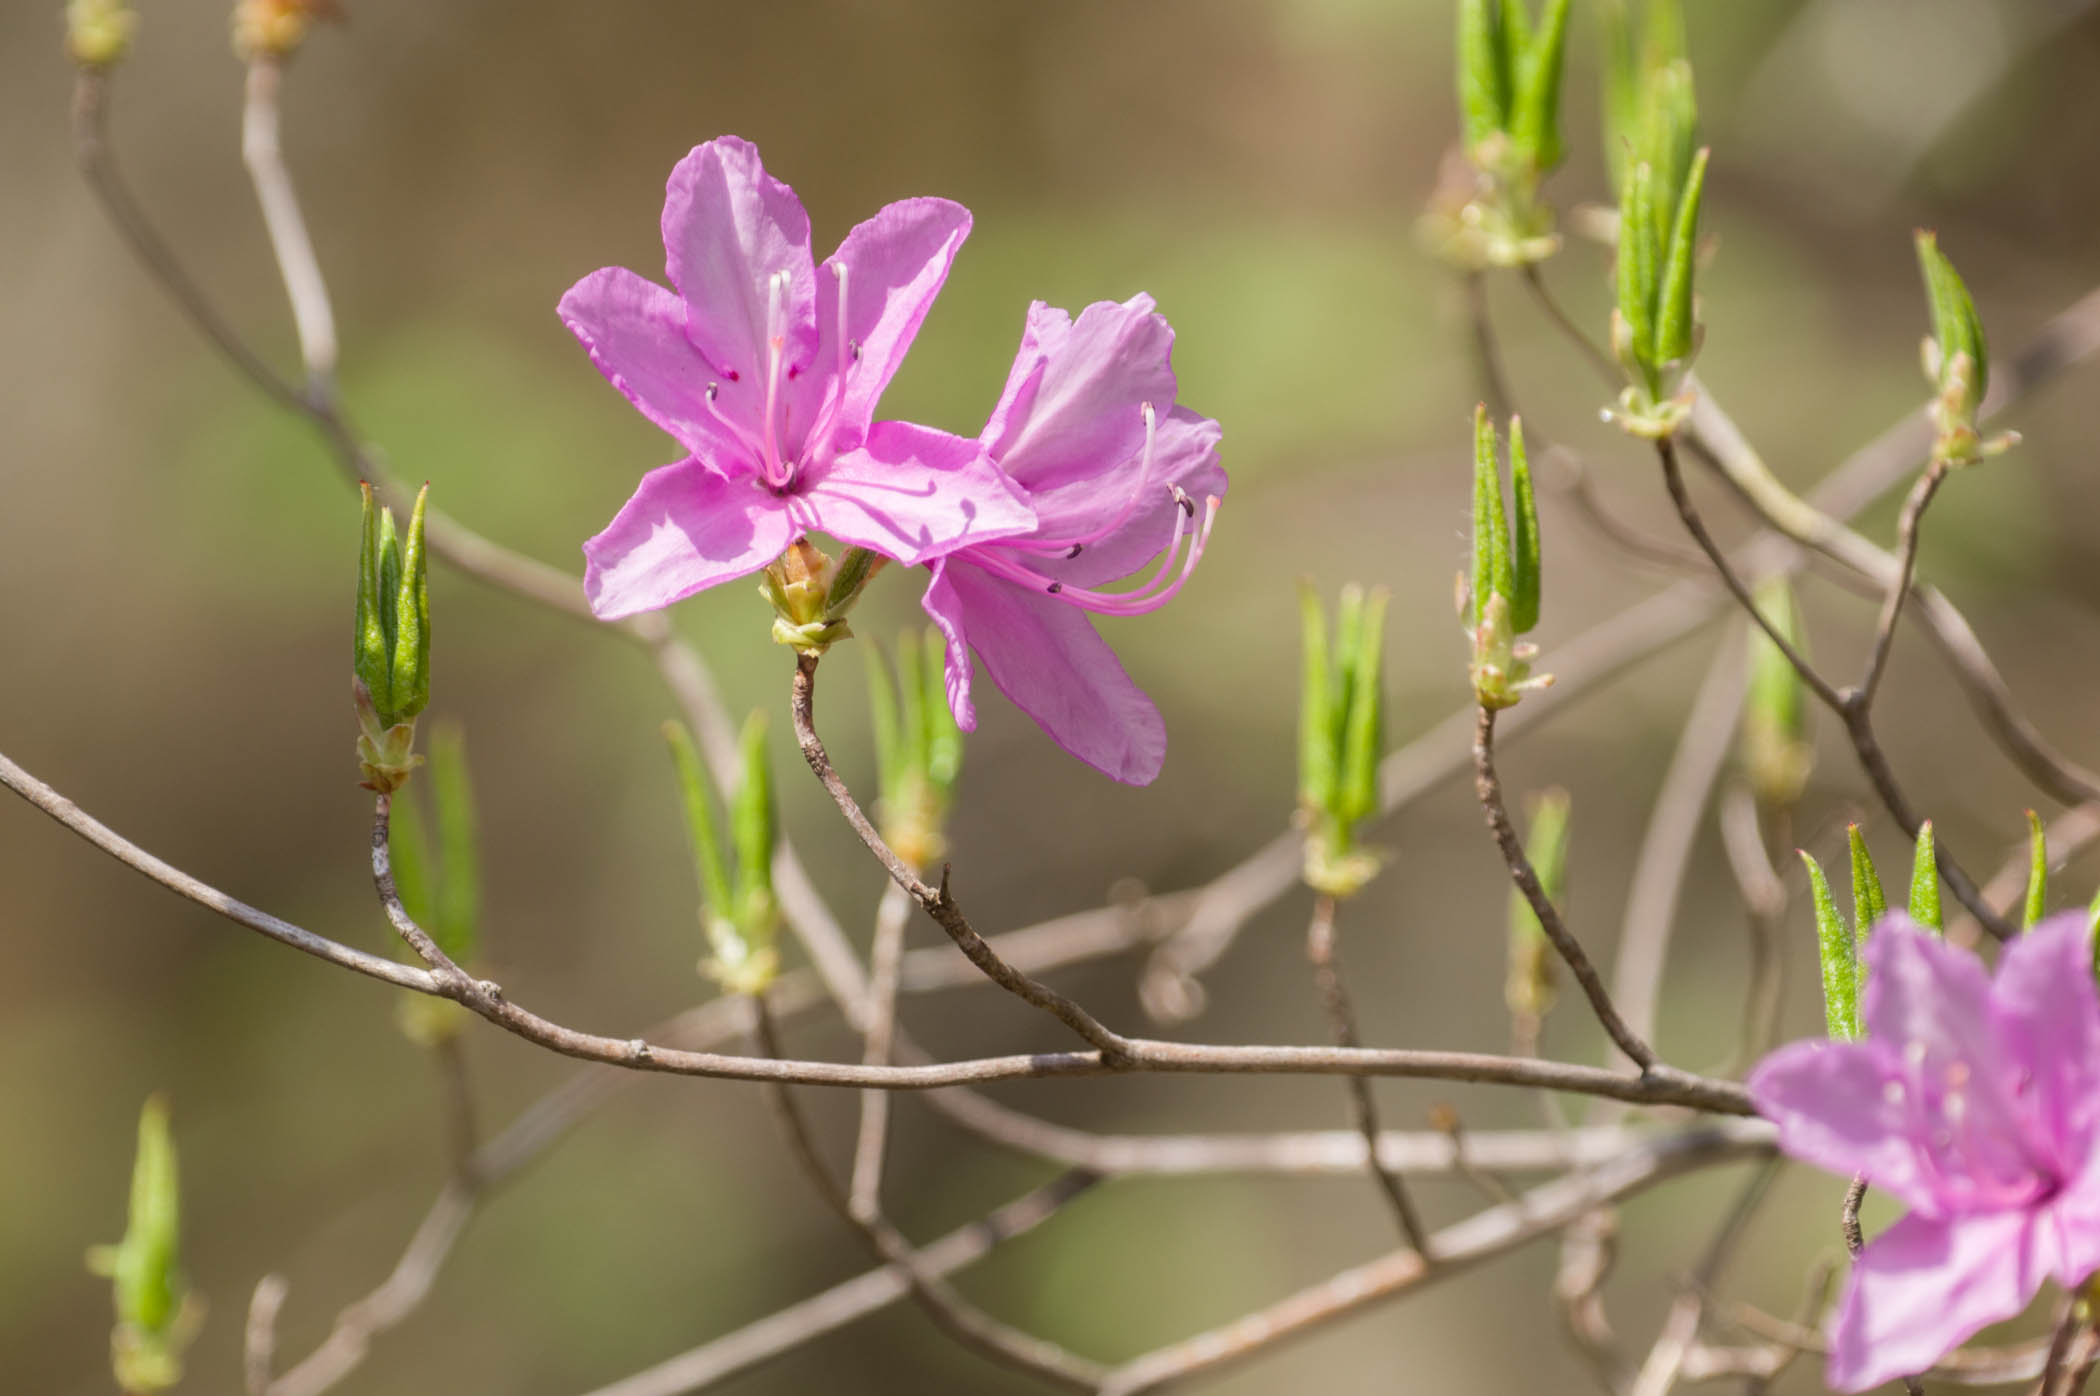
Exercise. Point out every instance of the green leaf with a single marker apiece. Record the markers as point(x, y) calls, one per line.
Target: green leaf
point(1483, 71)
point(1546, 845)
point(411, 650)
point(2037, 872)
point(1525, 576)
point(1363, 740)
point(408, 850)
point(1535, 106)
point(1317, 776)
point(456, 925)
point(944, 741)
point(1638, 264)
point(1777, 695)
point(882, 721)
point(2092, 914)
point(1955, 326)
point(1925, 880)
point(1622, 92)
point(1674, 331)
point(752, 818)
point(1869, 904)
point(143, 1266)
point(369, 652)
point(708, 863)
point(1494, 573)
point(1840, 959)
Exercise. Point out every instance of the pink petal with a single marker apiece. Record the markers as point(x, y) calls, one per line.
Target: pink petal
point(635, 332)
point(1185, 453)
point(728, 227)
point(1042, 332)
point(1047, 659)
point(2049, 1017)
point(1923, 1287)
point(1846, 1107)
point(896, 263)
point(912, 494)
point(945, 607)
point(1085, 413)
point(684, 530)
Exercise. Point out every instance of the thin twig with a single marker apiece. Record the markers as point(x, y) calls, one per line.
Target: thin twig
point(456, 1099)
point(935, 901)
point(885, 963)
point(1907, 540)
point(963, 1321)
point(1608, 370)
point(1488, 787)
point(289, 239)
point(1341, 1023)
point(1458, 1247)
point(259, 1335)
point(1765, 901)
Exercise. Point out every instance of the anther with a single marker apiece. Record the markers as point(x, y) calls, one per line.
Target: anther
point(1056, 587)
point(1181, 497)
point(1074, 550)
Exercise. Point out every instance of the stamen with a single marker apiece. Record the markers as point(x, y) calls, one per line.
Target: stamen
point(848, 355)
point(776, 345)
point(1161, 588)
point(735, 429)
point(1052, 546)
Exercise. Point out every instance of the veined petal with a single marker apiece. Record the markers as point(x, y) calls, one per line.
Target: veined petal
point(684, 530)
point(912, 493)
point(635, 332)
point(1846, 1107)
point(1084, 414)
point(1184, 453)
point(1048, 660)
point(729, 227)
point(1923, 1287)
point(2049, 1017)
point(895, 265)
point(1042, 332)
point(944, 606)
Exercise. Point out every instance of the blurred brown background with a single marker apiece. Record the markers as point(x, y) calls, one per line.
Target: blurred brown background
point(175, 569)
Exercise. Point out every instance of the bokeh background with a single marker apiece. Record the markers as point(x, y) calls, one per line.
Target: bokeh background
point(175, 572)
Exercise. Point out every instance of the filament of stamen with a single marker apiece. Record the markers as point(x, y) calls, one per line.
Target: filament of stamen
point(734, 428)
point(1150, 596)
point(775, 473)
point(820, 440)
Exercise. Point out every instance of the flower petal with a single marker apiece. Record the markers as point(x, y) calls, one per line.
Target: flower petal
point(684, 530)
point(945, 607)
point(1084, 414)
point(1929, 1003)
point(2049, 1018)
point(1846, 1107)
point(635, 332)
point(1923, 1287)
point(1184, 453)
point(896, 263)
point(1047, 659)
point(912, 494)
point(728, 228)
point(1042, 332)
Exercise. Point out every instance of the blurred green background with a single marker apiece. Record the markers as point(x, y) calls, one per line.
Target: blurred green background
point(175, 566)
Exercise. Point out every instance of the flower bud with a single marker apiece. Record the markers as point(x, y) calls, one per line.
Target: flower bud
point(1777, 753)
point(98, 32)
point(274, 29)
point(738, 911)
point(391, 657)
point(918, 747)
point(1341, 736)
point(1662, 183)
point(1503, 602)
point(1509, 81)
point(811, 595)
point(156, 1315)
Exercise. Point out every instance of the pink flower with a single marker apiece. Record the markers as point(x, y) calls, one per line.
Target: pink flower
point(766, 369)
point(1977, 1104)
point(1118, 477)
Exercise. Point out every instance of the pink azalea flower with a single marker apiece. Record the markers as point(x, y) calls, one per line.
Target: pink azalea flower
point(766, 369)
point(1118, 477)
point(1975, 1102)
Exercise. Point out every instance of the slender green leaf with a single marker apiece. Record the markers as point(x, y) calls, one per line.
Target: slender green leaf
point(1483, 71)
point(411, 656)
point(1317, 776)
point(1638, 263)
point(1925, 880)
point(369, 649)
point(408, 850)
point(1840, 958)
point(1525, 575)
point(1363, 740)
point(752, 818)
point(1674, 331)
point(944, 743)
point(1869, 904)
point(1493, 570)
point(708, 862)
point(457, 912)
point(1535, 106)
point(2037, 872)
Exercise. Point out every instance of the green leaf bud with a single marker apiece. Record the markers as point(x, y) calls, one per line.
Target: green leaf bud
point(709, 866)
point(2037, 873)
point(1777, 752)
point(1839, 954)
point(390, 661)
point(156, 1316)
point(1524, 536)
point(1535, 105)
point(1363, 733)
point(1925, 880)
point(1483, 72)
point(1869, 903)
